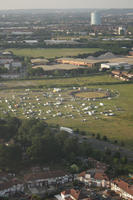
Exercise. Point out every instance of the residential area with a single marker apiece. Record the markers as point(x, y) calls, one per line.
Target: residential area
point(59, 184)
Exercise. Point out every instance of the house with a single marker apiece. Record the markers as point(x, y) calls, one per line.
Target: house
point(72, 194)
point(94, 178)
point(97, 164)
point(85, 177)
point(116, 73)
point(123, 75)
point(101, 180)
point(122, 188)
point(127, 75)
point(46, 178)
point(10, 187)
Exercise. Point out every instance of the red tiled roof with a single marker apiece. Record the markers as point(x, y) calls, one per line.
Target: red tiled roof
point(124, 186)
point(75, 193)
point(82, 174)
point(68, 198)
point(72, 192)
point(101, 176)
point(65, 192)
point(44, 175)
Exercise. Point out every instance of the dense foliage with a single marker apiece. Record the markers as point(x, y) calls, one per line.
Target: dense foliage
point(31, 141)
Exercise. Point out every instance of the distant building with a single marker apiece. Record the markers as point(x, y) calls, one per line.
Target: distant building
point(77, 62)
point(95, 18)
point(121, 30)
point(108, 66)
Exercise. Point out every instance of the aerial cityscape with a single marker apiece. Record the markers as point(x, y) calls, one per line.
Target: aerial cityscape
point(66, 100)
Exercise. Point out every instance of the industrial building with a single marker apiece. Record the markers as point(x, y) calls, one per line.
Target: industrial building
point(108, 66)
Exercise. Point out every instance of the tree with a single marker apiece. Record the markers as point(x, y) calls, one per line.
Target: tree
point(123, 160)
point(74, 169)
point(10, 157)
point(105, 138)
point(98, 137)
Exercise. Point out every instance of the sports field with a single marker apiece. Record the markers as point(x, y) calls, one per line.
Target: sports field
point(52, 52)
point(112, 117)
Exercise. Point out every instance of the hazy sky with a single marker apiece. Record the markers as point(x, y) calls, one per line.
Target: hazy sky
point(22, 4)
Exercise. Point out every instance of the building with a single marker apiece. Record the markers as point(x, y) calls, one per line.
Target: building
point(130, 53)
point(121, 30)
point(97, 164)
point(123, 75)
point(16, 64)
point(95, 18)
point(5, 60)
point(122, 188)
point(9, 186)
point(46, 178)
point(108, 66)
point(95, 178)
point(58, 42)
point(72, 194)
point(77, 62)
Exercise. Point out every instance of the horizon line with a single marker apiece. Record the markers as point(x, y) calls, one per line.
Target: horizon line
point(7, 9)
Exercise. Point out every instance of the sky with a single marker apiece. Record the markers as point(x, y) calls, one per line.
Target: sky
point(44, 4)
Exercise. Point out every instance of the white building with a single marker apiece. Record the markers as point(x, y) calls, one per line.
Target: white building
point(98, 179)
point(10, 187)
point(121, 30)
point(95, 18)
point(47, 178)
point(16, 64)
point(108, 66)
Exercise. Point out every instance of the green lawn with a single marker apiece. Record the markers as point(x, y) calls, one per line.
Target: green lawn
point(118, 127)
point(53, 52)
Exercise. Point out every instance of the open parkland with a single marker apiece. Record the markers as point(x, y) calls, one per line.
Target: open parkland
point(80, 102)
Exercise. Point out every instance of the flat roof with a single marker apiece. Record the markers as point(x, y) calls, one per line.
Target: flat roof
point(124, 59)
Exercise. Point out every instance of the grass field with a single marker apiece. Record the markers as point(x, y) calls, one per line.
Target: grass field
point(38, 99)
point(91, 94)
point(53, 52)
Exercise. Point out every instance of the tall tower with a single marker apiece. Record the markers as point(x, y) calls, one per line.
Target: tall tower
point(95, 18)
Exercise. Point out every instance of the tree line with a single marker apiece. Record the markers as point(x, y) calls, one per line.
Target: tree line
point(27, 142)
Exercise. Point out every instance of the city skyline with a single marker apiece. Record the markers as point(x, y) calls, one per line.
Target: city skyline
point(65, 4)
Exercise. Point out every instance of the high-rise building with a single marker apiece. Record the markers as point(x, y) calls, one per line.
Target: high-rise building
point(95, 18)
point(121, 30)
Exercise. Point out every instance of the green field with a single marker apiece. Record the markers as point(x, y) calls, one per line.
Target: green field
point(53, 52)
point(91, 94)
point(38, 99)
